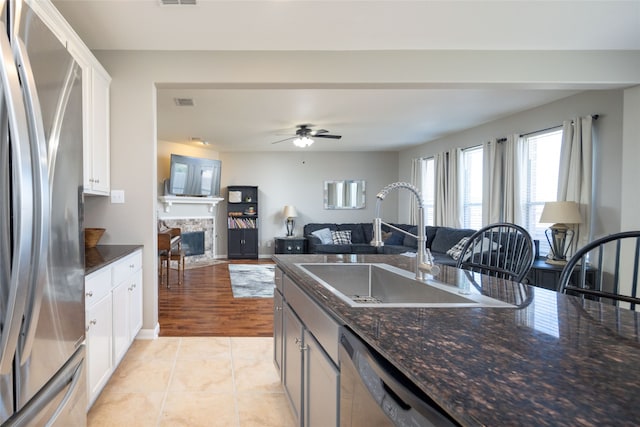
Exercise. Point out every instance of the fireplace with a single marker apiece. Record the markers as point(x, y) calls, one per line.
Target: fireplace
point(193, 243)
point(196, 218)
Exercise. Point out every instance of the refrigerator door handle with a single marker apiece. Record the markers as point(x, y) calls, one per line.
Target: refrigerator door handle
point(66, 381)
point(22, 201)
point(42, 203)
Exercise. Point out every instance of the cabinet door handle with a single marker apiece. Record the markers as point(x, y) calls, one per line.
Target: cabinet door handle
point(91, 322)
point(89, 294)
point(279, 309)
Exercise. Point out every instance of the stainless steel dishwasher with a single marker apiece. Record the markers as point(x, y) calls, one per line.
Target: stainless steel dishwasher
point(373, 393)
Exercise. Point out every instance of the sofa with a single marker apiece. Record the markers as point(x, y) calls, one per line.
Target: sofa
point(335, 241)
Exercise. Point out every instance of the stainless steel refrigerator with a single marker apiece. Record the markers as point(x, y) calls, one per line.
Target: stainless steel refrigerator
point(42, 359)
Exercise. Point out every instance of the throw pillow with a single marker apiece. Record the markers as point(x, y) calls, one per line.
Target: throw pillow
point(394, 239)
point(411, 241)
point(485, 245)
point(324, 234)
point(341, 237)
point(456, 250)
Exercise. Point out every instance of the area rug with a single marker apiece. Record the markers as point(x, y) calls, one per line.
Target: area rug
point(252, 280)
point(198, 264)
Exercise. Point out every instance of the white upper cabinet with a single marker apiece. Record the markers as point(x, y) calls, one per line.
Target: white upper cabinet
point(95, 100)
point(95, 122)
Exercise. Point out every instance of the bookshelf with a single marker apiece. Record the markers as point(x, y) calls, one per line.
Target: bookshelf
point(242, 222)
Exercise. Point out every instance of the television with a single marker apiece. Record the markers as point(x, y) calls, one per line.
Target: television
point(194, 177)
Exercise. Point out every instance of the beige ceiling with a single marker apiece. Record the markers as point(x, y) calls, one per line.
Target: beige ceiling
point(368, 118)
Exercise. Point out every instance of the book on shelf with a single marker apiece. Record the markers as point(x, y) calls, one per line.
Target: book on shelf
point(234, 222)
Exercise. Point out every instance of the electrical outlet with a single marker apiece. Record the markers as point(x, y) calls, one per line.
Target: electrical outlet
point(117, 196)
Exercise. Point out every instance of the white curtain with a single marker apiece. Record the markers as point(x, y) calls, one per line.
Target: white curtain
point(575, 179)
point(502, 165)
point(513, 165)
point(447, 210)
point(492, 182)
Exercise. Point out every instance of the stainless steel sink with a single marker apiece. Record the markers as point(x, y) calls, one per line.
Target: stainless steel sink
point(383, 285)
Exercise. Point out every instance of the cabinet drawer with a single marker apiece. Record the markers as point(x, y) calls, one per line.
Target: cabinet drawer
point(96, 286)
point(126, 267)
point(323, 327)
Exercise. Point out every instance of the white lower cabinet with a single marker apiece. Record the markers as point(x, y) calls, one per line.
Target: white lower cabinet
point(127, 313)
point(304, 343)
point(99, 331)
point(113, 313)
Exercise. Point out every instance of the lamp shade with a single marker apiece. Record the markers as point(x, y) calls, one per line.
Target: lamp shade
point(561, 213)
point(289, 212)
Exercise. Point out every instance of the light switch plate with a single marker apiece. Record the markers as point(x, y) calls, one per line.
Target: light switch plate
point(117, 196)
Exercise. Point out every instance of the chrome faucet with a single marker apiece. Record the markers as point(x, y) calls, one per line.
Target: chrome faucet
point(424, 261)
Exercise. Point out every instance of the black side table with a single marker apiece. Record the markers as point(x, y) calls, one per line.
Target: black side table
point(547, 276)
point(291, 245)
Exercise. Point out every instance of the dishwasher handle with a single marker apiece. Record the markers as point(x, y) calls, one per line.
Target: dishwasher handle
point(399, 398)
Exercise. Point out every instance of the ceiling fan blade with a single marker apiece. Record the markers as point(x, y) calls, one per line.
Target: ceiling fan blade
point(318, 132)
point(329, 136)
point(283, 140)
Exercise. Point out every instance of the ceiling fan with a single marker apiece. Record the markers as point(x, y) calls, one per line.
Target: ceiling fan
point(304, 134)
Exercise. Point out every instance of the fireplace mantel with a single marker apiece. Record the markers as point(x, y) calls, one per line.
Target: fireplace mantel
point(168, 201)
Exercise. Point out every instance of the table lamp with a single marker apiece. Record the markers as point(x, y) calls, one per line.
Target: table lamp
point(561, 215)
point(289, 212)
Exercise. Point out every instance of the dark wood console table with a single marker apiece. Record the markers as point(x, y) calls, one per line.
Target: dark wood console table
point(547, 275)
point(290, 245)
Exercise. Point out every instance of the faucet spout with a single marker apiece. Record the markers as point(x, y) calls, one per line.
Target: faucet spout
point(424, 261)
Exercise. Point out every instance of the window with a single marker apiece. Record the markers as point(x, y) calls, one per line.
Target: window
point(472, 187)
point(541, 180)
point(427, 186)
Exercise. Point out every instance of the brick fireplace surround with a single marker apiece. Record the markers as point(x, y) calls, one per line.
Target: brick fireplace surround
point(192, 214)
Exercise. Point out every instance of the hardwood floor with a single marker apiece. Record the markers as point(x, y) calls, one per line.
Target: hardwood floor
point(204, 306)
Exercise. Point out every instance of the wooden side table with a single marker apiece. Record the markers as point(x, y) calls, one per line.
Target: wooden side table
point(291, 245)
point(547, 276)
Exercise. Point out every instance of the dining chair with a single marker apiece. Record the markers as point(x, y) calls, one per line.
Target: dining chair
point(616, 258)
point(502, 250)
point(170, 249)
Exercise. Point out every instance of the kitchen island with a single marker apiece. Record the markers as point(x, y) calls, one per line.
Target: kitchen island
point(554, 360)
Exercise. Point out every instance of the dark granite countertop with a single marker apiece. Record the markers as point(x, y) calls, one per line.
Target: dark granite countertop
point(555, 361)
point(102, 255)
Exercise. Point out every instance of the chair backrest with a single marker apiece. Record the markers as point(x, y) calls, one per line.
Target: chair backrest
point(616, 258)
point(501, 250)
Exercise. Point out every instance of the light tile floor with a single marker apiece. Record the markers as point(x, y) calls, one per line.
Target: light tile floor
point(193, 381)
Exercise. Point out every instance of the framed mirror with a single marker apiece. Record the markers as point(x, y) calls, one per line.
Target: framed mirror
point(344, 194)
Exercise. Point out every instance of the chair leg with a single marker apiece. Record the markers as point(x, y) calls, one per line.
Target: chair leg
point(181, 269)
point(168, 260)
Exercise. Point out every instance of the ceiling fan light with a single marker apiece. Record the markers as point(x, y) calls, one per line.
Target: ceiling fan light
point(305, 141)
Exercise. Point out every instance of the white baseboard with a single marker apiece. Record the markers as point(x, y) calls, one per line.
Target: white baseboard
point(149, 334)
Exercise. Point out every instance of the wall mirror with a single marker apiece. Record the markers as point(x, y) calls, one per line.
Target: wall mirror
point(344, 194)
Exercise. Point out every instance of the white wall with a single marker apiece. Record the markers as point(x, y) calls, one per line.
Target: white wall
point(297, 178)
point(631, 160)
point(608, 141)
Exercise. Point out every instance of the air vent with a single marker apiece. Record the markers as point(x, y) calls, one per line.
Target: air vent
point(177, 2)
point(184, 102)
